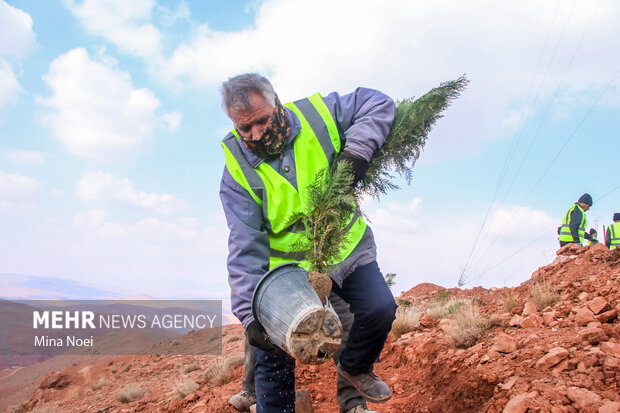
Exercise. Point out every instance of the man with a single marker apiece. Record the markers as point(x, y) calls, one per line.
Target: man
point(272, 155)
point(574, 223)
point(349, 399)
point(612, 235)
point(594, 239)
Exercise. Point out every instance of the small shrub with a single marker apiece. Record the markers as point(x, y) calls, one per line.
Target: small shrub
point(445, 309)
point(100, 384)
point(191, 367)
point(543, 294)
point(218, 373)
point(401, 302)
point(44, 408)
point(443, 296)
point(510, 302)
point(468, 326)
point(452, 307)
point(183, 389)
point(406, 320)
point(235, 361)
point(129, 393)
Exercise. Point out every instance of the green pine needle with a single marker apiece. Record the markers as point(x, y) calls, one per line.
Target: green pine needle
point(413, 121)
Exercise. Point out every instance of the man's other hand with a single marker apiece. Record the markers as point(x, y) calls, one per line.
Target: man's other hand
point(257, 336)
point(359, 165)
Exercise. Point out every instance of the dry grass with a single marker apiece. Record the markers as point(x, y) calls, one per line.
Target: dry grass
point(218, 373)
point(183, 389)
point(511, 301)
point(406, 320)
point(468, 326)
point(190, 367)
point(129, 393)
point(543, 294)
point(44, 409)
point(446, 308)
point(100, 384)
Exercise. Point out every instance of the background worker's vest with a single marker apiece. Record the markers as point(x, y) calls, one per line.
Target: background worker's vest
point(614, 232)
point(565, 234)
point(315, 148)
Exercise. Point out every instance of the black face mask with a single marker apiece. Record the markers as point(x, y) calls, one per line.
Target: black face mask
point(273, 138)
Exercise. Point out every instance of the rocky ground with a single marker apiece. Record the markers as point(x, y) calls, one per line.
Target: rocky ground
point(562, 358)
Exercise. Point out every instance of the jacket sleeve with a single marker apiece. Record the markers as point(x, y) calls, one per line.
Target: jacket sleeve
point(365, 116)
point(248, 246)
point(575, 221)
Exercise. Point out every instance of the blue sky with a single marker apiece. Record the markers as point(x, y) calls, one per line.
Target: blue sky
point(110, 124)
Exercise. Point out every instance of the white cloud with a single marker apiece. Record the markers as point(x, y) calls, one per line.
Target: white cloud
point(95, 111)
point(173, 120)
point(16, 186)
point(9, 87)
point(406, 47)
point(121, 22)
point(25, 157)
point(106, 187)
point(16, 34)
point(149, 230)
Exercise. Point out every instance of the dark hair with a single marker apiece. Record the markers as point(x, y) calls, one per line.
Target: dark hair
point(236, 91)
point(593, 231)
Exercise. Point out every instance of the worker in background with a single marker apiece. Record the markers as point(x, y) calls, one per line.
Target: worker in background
point(594, 239)
point(573, 228)
point(612, 237)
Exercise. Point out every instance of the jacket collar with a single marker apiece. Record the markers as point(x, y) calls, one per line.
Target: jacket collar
point(255, 160)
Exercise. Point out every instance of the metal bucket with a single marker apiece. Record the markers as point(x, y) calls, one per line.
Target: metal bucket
point(291, 312)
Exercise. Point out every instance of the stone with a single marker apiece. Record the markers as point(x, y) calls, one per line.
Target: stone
point(612, 363)
point(548, 317)
point(505, 343)
point(427, 321)
point(55, 380)
point(609, 347)
point(608, 316)
point(515, 320)
point(529, 308)
point(303, 403)
point(597, 304)
point(609, 407)
point(592, 335)
point(532, 338)
point(583, 296)
point(517, 310)
point(553, 357)
point(583, 316)
point(520, 403)
point(582, 398)
point(511, 382)
point(531, 321)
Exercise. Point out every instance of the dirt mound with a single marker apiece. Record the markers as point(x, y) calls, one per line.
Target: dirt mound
point(559, 355)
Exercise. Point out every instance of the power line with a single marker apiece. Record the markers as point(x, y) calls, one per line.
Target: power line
point(515, 140)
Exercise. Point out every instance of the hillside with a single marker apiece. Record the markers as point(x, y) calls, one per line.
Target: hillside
point(561, 358)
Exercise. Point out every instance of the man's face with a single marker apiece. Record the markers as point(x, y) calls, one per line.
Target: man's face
point(585, 207)
point(252, 122)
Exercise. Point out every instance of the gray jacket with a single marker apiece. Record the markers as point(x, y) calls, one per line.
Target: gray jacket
point(365, 116)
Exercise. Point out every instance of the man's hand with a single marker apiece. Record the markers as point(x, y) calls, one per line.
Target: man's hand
point(258, 337)
point(359, 165)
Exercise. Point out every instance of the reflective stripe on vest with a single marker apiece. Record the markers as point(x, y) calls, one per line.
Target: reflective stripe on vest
point(315, 148)
point(565, 234)
point(614, 232)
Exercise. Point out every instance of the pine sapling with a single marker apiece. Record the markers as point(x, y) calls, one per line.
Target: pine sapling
point(331, 203)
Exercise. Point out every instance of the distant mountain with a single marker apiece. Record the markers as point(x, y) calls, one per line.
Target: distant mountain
point(17, 286)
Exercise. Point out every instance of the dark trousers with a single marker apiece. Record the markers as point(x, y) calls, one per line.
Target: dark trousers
point(374, 309)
